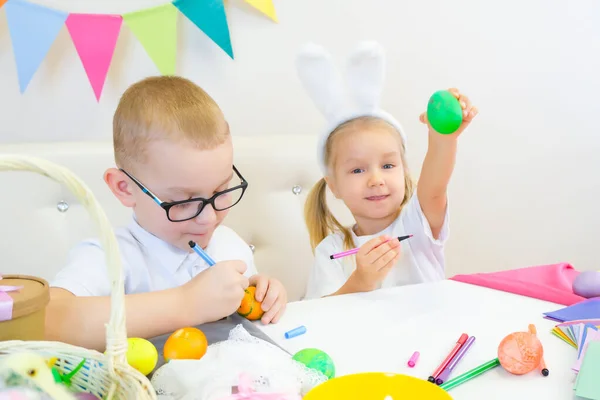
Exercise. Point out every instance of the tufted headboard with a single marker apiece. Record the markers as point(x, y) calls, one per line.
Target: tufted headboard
point(41, 220)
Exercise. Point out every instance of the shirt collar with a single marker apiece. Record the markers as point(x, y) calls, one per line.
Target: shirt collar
point(168, 256)
point(366, 238)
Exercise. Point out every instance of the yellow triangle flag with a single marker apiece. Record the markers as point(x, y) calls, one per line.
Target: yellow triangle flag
point(264, 6)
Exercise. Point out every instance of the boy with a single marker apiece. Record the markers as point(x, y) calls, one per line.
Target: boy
point(175, 170)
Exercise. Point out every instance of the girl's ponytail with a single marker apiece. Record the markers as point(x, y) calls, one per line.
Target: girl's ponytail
point(319, 220)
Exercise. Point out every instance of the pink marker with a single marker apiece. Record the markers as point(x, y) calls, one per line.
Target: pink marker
point(354, 251)
point(413, 360)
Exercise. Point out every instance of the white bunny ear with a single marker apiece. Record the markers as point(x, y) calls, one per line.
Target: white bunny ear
point(321, 80)
point(365, 74)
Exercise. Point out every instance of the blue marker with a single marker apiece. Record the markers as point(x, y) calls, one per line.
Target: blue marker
point(201, 253)
point(301, 330)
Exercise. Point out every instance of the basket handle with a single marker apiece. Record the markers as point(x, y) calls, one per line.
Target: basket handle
point(116, 330)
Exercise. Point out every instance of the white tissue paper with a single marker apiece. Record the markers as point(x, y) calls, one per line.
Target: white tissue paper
point(271, 369)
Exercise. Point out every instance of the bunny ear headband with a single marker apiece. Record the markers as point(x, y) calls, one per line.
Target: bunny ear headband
point(365, 72)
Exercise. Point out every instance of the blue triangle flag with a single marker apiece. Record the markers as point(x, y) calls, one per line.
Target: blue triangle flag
point(33, 29)
point(210, 17)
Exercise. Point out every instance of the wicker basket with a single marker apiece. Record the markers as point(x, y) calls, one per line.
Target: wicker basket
point(108, 375)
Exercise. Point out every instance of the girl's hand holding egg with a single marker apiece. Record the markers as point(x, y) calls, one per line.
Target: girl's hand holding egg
point(449, 112)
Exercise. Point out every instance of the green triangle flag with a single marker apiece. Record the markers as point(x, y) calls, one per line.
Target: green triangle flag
point(156, 29)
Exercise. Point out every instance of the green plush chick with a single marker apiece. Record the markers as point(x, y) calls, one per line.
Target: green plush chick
point(31, 370)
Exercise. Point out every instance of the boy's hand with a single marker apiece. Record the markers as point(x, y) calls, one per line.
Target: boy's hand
point(374, 261)
point(469, 113)
point(273, 296)
point(216, 292)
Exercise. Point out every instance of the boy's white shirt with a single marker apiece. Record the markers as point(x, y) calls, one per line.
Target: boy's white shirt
point(149, 263)
point(422, 258)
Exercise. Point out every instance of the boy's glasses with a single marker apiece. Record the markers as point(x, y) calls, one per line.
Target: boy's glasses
point(178, 211)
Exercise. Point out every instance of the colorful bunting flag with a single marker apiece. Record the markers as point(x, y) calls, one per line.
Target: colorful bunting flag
point(264, 6)
point(156, 29)
point(95, 37)
point(210, 17)
point(33, 29)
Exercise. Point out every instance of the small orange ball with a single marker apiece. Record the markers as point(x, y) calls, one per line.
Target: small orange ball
point(185, 344)
point(250, 308)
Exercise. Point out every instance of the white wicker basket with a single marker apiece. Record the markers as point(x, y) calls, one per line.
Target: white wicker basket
point(108, 375)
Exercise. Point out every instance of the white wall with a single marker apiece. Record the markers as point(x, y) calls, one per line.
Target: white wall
point(525, 189)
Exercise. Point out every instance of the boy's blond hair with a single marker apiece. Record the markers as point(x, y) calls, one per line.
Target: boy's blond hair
point(318, 218)
point(165, 108)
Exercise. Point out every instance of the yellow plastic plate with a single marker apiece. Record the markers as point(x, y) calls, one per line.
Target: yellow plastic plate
point(377, 386)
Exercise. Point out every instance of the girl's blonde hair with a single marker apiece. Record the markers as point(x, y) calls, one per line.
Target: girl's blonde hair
point(317, 216)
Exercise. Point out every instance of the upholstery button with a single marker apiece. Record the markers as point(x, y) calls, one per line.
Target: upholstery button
point(252, 248)
point(62, 206)
point(297, 190)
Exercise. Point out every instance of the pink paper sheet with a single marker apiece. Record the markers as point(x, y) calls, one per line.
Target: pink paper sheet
point(552, 283)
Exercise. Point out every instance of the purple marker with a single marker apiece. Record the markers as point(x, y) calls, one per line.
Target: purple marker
point(446, 372)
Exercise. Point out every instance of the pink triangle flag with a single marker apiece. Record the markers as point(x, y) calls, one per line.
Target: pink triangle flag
point(95, 37)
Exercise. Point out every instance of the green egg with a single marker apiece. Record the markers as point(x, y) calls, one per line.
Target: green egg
point(444, 112)
point(318, 360)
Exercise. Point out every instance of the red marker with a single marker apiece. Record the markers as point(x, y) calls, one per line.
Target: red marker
point(463, 338)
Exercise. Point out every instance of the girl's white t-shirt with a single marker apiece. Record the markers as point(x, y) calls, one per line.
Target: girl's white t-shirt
point(422, 258)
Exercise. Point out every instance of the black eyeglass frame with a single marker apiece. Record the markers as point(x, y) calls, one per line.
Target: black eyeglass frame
point(168, 205)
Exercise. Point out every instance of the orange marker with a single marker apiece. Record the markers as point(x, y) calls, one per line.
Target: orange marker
point(542, 365)
point(543, 368)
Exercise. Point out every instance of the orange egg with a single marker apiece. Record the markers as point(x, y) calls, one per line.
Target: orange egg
point(185, 344)
point(520, 353)
point(250, 308)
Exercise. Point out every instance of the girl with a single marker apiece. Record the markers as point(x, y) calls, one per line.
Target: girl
point(363, 160)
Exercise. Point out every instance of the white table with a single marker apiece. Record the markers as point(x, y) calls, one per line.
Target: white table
point(379, 331)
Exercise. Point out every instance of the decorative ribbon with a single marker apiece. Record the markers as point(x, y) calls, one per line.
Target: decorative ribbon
point(246, 392)
point(6, 302)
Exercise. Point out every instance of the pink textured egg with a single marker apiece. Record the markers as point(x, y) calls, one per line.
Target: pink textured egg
point(587, 284)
